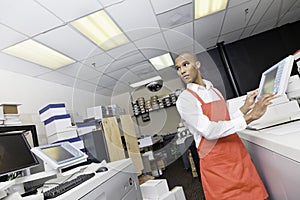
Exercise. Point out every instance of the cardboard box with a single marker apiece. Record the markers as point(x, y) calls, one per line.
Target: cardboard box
point(52, 110)
point(64, 135)
point(154, 188)
point(10, 108)
point(57, 124)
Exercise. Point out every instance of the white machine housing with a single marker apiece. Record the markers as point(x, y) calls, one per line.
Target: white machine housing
point(284, 108)
point(59, 155)
point(275, 79)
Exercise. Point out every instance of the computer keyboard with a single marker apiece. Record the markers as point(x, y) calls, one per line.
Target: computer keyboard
point(66, 186)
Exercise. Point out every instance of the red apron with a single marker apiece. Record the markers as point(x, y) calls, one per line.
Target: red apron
point(227, 171)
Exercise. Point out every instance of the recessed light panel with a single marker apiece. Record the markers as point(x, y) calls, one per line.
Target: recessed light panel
point(161, 62)
point(35, 52)
point(101, 29)
point(207, 7)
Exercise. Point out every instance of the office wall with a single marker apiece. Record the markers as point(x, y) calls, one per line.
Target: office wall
point(212, 69)
point(162, 121)
point(251, 56)
point(34, 94)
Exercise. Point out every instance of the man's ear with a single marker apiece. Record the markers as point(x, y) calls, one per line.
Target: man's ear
point(198, 64)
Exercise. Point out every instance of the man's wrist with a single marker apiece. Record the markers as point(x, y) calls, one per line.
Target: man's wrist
point(248, 118)
point(244, 110)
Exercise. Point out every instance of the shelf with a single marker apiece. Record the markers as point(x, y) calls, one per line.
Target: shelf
point(141, 106)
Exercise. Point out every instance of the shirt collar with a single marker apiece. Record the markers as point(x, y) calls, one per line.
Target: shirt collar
point(195, 87)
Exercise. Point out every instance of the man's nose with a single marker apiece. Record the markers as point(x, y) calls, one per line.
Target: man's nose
point(182, 70)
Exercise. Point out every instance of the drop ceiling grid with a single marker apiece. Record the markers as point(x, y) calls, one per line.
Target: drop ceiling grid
point(27, 17)
point(238, 17)
point(69, 10)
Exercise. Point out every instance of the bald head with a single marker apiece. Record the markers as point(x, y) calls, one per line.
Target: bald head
point(191, 57)
point(187, 66)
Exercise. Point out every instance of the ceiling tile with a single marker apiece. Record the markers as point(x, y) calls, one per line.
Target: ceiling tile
point(84, 85)
point(247, 31)
point(142, 68)
point(292, 16)
point(154, 42)
point(233, 3)
point(69, 42)
point(237, 17)
point(99, 62)
point(151, 53)
point(11, 63)
point(184, 49)
point(208, 27)
point(286, 6)
point(264, 26)
point(296, 5)
point(198, 48)
point(78, 70)
point(124, 62)
point(125, 76)
point(289, 18)
point(68, 10)
point(136, 24)
point(104, 81)
point(148, 75)
point(121, 88)
point(259, 12)
point(58, 78)
point(211, 43)
point(273, 11)
point(107, 3)
point(176, 17)
point(168, 73)
point(9, 37)
point(123, 51)
point(104, 91)
point(160, 6)
point(230, 37)
point(180, 36)
point(27, 17)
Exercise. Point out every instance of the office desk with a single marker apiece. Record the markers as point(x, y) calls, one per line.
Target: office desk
point(119, 182)
point(276, 154)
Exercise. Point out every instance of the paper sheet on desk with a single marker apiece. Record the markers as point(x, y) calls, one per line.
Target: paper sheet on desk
point(284, 129)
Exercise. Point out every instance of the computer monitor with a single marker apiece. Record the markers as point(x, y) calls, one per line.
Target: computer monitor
point(275, 79)
point(59, 155)
point(15, 154)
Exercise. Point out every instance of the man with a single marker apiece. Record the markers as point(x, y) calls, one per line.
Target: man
point(227, 171)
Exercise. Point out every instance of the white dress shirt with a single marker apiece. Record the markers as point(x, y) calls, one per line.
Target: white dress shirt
point(189, 108)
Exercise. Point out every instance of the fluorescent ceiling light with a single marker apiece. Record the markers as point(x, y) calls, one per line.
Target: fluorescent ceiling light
point(35, 52)
point(144, 82)
point(161, 62)
point(101, 29)
point(207, 7)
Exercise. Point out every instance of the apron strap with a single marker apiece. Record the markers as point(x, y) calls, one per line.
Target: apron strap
point(199, 98)
point(195, 95)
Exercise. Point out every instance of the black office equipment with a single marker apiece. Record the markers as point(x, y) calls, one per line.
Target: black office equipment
point(15, 154)
point(66, 186)
point(101, 169)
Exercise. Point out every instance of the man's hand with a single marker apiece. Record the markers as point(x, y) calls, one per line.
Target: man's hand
point(249, 102)
point(259, 109)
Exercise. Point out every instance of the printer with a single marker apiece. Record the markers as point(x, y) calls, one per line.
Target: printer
point(284, 108)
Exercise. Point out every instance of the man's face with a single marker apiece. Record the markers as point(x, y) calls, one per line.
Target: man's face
point(187, 68)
